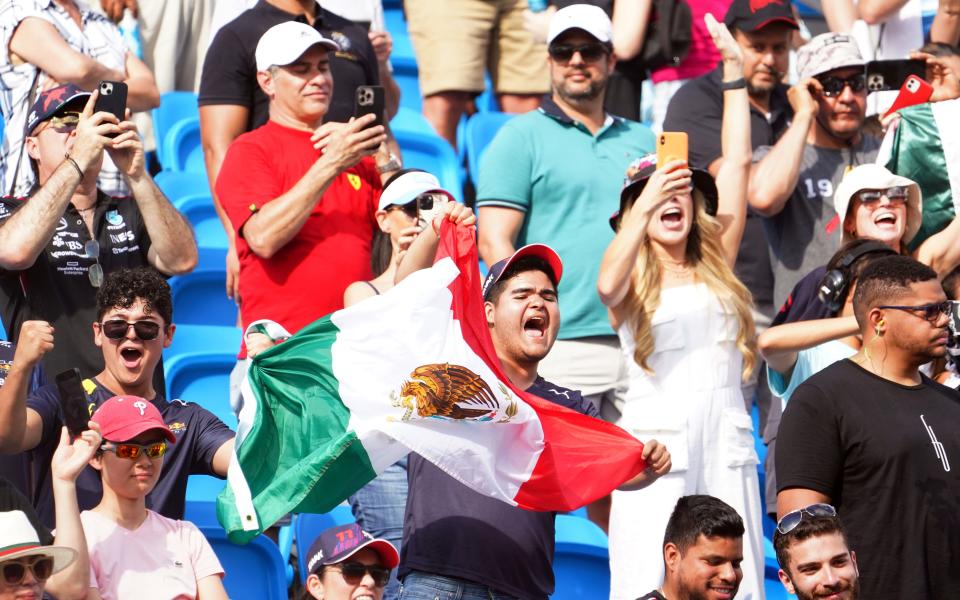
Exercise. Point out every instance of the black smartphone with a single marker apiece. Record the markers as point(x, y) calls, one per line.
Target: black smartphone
point(73, 401)
point(370, 99)
point(112, 99)
point(885, 75)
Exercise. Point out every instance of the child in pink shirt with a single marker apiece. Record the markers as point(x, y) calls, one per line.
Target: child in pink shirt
point(135, 552)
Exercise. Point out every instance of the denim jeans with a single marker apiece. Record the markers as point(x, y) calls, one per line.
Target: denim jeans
point(425, 586)
point(378, 508)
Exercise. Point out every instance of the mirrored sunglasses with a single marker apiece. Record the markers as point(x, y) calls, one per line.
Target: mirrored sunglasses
point(132, 451)
point(14, 571)
point(64, 123)
point(833, 86)
point(790, 520)
point(91, 249)
point(116, 329)
point(896, 195)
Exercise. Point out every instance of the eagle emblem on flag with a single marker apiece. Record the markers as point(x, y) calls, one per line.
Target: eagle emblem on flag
point(446, 391)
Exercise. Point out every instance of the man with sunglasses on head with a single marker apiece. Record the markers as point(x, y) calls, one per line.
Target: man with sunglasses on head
point(57, 245)
point(792, 183)
point(553, 176)
point(133, 325)
point(815, 559)
point(878, 440)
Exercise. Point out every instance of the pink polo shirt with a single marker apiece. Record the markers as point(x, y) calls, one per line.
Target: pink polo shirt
point(161, 560)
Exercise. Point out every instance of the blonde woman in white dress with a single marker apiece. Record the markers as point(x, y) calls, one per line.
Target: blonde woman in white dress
point(685, 327)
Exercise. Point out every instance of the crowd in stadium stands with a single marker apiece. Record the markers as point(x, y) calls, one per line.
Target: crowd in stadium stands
point(784, 240)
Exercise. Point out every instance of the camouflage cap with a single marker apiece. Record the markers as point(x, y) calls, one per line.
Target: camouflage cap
point(826, 52)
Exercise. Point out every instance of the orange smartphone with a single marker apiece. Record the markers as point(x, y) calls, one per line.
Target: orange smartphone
point(671, 145)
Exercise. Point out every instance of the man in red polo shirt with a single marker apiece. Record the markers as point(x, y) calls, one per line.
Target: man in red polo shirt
point(303, 215)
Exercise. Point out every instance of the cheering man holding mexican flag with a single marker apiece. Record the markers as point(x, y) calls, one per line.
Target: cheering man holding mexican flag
point(416, 370)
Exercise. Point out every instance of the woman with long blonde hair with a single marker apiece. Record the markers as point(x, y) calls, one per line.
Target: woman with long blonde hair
point(685, 327)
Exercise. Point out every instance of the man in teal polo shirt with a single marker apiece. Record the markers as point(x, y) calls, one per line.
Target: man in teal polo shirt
point(553, 176)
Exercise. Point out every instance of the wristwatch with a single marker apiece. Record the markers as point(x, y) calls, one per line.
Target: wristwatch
point(736, 84)
point(391, 165)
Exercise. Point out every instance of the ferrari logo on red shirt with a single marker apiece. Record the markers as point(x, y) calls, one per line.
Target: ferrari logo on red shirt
point(355, 181)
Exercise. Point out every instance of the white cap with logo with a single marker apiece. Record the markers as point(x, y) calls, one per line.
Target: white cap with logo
point(284, 43)
point(587, 17)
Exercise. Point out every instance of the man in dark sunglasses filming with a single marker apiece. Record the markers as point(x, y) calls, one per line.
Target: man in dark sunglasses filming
point(878, 440)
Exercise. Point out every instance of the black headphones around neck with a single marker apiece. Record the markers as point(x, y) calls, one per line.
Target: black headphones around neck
point(833, 287)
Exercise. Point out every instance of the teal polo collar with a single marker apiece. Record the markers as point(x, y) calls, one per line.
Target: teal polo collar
point(553, 110)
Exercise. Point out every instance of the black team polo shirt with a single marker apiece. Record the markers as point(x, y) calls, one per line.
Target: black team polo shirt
point(230, 68)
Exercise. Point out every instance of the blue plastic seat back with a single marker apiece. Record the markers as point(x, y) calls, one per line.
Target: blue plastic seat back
point(207, 228)
point(481, 129)
point(307, 527)
point(433, 154)
point(254, 571)
point(407, 76)
point(581, 560)
point(200, 296)
point(410, 120)
point(174, 107)
point(180, 184)
point(182, 150)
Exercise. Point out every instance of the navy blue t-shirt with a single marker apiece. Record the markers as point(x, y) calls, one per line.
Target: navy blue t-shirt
point(451, 530)
point(15, 468)
point(199, 435)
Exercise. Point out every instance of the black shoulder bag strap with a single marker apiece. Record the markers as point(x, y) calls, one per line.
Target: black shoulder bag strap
point(23, 143)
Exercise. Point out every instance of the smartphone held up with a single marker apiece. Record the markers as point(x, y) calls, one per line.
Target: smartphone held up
point(112, 98)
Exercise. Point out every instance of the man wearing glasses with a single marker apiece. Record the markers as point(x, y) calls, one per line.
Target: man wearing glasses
point(815, 559)
point(57, 244)
point(132, 327)
point(792, 182)
point(878, 440)
point(553, 176)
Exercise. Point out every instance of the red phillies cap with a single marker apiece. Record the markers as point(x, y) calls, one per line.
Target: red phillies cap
point(123, 418)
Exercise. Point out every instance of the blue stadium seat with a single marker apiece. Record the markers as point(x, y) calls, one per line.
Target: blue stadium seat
point(254, 571)
point(432, 153)
point(408, 119)
point(182, 150)
point(174, 107)
point(207, 228)
point(481, 129)
point(771, 580)
point(200, 297)
point(397, 26)
point(306, 528)
point(581, 560)
point(407, 76)
point(179, 184)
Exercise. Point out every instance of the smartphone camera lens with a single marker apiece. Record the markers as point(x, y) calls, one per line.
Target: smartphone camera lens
point(106, 88)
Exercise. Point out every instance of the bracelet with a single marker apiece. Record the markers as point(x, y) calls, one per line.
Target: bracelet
point(75, 165)
point(391, 165)
point(736, 84)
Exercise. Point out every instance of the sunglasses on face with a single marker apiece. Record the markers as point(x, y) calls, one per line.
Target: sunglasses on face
point(14, 572)
point(930, 312)
point(64, 123)
point(591, 52)
point(833, 86)
point(790, 520)
point(132, 451)
point(116, 329)
point(896, 195)
point(353, 573)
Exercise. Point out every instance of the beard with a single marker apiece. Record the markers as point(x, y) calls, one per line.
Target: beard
point(593, 90)
point(854, 591)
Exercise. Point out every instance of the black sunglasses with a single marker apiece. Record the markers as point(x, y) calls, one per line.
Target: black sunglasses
point(591, 52)
point(353, 573)
point(15, 572)
point(790, 520)
point(833, 86)
point(931, 312)
point(116, 329)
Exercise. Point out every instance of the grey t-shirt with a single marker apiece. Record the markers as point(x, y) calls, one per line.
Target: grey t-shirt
point(806, 233)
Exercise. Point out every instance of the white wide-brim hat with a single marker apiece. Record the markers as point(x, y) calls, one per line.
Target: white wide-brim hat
point(20, 539)
point(877, 177)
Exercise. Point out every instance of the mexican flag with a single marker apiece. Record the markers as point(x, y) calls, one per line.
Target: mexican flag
point(411, 370)
point(925, 147)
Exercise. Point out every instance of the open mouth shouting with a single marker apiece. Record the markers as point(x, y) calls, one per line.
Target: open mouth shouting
point(885, 219)
point(131, 356)
point(535, 326)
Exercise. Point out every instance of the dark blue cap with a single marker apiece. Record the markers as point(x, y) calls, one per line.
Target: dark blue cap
point(339, 543)
point(49, 103)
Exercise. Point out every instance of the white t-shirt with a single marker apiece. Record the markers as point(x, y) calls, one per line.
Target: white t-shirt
point(161, 560)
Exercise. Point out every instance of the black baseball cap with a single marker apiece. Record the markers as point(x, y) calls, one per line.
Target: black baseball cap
point(339, 543)
point(752, 15)
point(704, 188)
point(52, 101)
point(542, 251)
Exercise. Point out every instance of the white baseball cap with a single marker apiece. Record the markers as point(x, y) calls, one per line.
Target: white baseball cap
point(405, 186)
point(21, 539)
point(284, 43)
point(587, 17)
point(872, 176)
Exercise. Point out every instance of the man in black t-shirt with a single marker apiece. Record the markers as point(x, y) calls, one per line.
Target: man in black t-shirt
point(876, 438)
point(56, 245)
point(458, 541)
point(133, 327)
point(702, 551)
